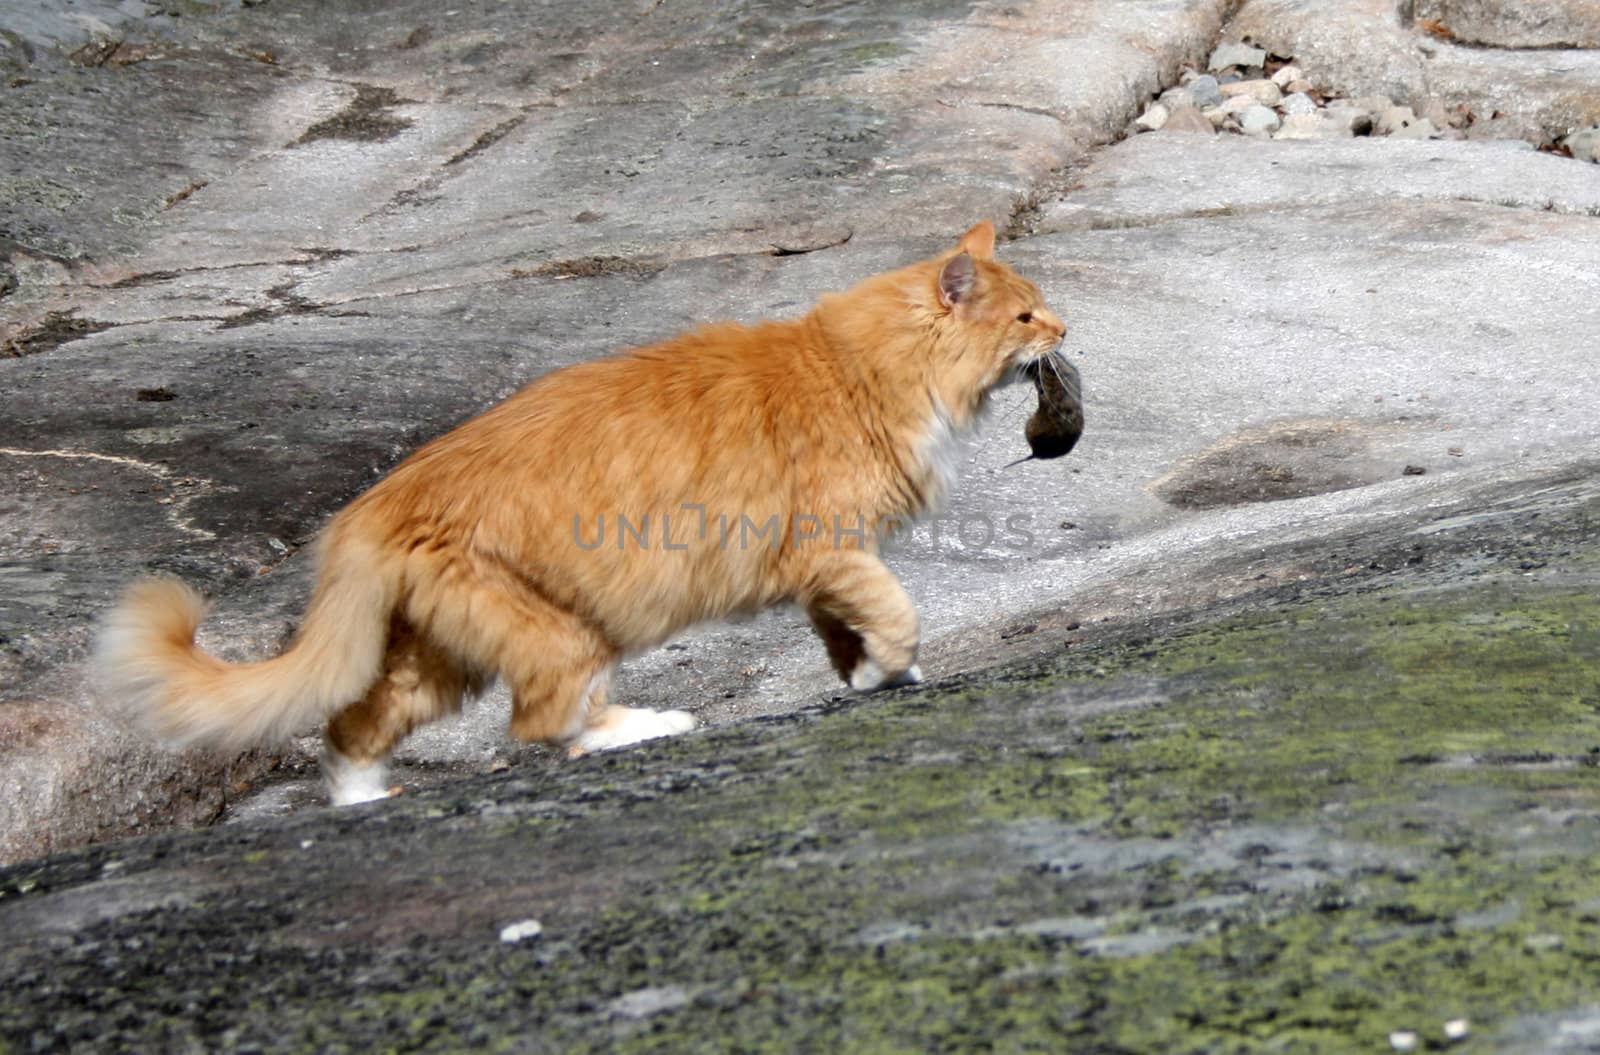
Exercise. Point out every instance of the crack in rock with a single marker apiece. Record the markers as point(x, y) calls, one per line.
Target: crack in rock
point(56, 329)
point(185, 489)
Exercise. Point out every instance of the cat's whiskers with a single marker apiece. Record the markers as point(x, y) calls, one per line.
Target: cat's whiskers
point(1052, 360)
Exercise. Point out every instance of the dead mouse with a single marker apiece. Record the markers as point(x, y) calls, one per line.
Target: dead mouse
point(1058, 422)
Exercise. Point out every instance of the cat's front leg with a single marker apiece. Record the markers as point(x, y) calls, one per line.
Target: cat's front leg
point(866, 620)
point(607, 725)
point(615, 726)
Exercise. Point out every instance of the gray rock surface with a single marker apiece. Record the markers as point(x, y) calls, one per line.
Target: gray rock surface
point(1273, 181)
point(1356, 47)
point(1273, 728)
point(1359, 47)
point(410, 221)
point(1372, 775)
point(339, 237)
point(1509, 24)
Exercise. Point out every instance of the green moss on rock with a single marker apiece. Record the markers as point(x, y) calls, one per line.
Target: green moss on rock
point(1293, 830)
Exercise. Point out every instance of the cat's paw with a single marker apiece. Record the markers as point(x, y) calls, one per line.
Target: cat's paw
point(869, 677)
point(621, 726)
point(351, 783)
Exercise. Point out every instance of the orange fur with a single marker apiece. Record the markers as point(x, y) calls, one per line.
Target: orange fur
point(477, 557)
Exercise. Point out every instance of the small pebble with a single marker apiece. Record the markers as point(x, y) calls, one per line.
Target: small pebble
point(1395, 118)
point(1259, 121)
point(1154, 116)
point(645, 1003)
point(1262, 91)
point(515, 932)
point(1237, 96)
point(1173, 98)
point(1434, 110)
point(1298, 103)
point(1188, 119)
point(1207, 93)
point(1287, 75)
point(1355, 120)
point(1237, 104)
point(1403, 1040)
point(1315, 125)
point(1236, 55)
point(1584, 144)
point(1421, 128)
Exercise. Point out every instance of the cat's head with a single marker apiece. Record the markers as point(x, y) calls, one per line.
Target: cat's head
point(993, 325)
point(955, 326)
point(992, 312)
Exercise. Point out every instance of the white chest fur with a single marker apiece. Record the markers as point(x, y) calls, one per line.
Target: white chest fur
point(943, 448)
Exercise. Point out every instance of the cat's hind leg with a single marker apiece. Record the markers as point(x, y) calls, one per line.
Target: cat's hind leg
point(419, 684)
point(557, 665)
point(865, 618)
point(559, 670)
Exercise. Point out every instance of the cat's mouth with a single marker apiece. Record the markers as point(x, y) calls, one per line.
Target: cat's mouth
point(1033, 369)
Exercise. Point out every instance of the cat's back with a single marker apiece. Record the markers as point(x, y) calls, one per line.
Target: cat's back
point(715, 383)
point(713, 393)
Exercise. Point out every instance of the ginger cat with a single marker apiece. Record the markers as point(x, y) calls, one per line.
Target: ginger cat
point(607, 506)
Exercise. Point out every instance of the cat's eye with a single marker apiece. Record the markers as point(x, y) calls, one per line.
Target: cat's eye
point(1025, 317)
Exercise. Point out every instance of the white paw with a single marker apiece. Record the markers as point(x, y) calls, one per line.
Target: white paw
point(350, 782)
point(869, 677)
point(629, 725)
point(676, 722)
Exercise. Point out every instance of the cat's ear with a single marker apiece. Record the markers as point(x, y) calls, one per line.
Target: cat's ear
point(979, 241)
point(957, 279)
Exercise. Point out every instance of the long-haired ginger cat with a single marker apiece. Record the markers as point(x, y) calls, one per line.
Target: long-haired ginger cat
point(604, 508)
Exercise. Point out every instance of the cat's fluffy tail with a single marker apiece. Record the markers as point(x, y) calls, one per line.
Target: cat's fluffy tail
point(146, 659)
